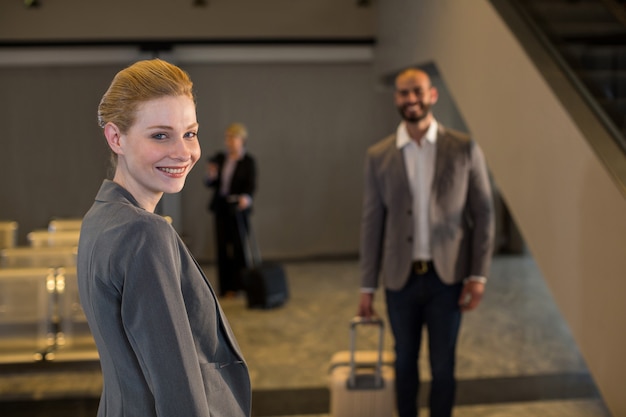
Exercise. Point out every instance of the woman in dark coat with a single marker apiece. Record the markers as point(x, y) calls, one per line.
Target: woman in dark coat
point(233, 176)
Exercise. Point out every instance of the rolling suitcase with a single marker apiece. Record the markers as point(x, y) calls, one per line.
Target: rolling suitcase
point(265, 283)
point(362, 383)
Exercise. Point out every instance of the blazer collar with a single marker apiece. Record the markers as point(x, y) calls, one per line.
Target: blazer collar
point(112, 192)
point(403, 138)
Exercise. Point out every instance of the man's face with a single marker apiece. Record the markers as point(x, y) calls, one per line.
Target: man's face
point(414, 96)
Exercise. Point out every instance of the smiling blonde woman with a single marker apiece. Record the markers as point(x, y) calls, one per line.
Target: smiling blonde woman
point(165, 347)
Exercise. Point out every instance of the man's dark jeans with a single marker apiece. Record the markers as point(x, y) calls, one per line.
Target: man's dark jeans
point(425, 300)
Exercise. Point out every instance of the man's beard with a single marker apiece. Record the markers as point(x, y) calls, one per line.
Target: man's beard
point(412, 117)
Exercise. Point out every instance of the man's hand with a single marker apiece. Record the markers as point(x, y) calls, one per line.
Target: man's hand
point(366, 305)
point(471, 295)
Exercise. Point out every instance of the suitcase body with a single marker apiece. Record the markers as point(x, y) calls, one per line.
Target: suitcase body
point(266, 285)
point(362, 382)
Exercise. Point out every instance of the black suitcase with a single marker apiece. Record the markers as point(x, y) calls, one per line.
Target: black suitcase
point(265, 283)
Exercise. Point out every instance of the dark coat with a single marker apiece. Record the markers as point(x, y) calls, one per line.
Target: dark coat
point(243, 180)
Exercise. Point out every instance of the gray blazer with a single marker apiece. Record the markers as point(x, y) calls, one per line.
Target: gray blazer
point(461, 213)
point(165, 346)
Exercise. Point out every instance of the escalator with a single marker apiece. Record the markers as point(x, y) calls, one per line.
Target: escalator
point(590, 37)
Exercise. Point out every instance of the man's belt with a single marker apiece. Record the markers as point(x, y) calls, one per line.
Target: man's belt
point(422, 267)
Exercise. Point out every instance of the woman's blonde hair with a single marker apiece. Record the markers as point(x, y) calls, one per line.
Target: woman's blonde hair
point(237, 129)
point(138, 83)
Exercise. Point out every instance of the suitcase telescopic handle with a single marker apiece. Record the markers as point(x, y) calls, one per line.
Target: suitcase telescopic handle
point(354, 323)
point(251, 252)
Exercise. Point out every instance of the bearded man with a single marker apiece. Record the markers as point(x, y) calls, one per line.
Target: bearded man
point(427, 234)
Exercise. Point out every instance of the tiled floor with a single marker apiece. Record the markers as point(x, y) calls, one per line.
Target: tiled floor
point(516, 357)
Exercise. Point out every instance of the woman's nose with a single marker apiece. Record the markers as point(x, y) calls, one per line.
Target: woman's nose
point(183, 149)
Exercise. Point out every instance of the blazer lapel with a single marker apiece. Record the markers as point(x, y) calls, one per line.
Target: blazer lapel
point(443, 174)
point(398, 166)
point(221, 316)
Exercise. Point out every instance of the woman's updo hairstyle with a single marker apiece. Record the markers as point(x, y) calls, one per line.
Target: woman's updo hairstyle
point(138, 83)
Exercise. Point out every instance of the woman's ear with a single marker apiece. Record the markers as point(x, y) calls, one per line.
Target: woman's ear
point(113, 136)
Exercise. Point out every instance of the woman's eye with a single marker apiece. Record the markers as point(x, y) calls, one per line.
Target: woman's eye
point(159, 136)
point(191, 135)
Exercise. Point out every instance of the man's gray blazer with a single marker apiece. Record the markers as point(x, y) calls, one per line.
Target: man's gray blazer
point(460, 213)
point(165, 346)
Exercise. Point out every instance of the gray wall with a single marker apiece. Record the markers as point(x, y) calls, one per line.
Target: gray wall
point(53, 158)
point(309, 123)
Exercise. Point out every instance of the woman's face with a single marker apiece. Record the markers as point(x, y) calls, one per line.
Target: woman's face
point(159, 149)
point(234, 144)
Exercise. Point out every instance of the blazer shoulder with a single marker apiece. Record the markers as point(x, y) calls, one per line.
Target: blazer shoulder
point(454, 135)
point(116, 235)
point(130, 225)
point(248, 160)
point(454, 141)
point(382, 146)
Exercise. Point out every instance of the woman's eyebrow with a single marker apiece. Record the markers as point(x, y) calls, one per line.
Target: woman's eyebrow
point(167, 127)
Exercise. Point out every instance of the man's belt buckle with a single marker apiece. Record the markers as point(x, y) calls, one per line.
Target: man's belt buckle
point(420, 267)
